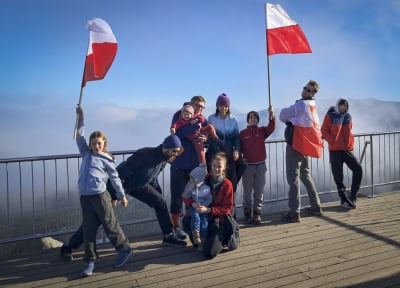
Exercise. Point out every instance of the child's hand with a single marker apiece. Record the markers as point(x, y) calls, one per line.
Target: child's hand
point(124, 202)
point(172, 130)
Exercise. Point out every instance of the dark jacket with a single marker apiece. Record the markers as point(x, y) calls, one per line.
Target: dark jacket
point(188, 160)
point(141, 168)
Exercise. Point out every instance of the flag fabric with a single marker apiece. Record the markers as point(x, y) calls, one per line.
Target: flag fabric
point(284, 36)
point(101, 51)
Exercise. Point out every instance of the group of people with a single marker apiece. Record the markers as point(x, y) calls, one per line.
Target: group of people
point(205, 182)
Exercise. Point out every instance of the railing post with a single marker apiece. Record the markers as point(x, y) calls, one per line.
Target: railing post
point(372, 167)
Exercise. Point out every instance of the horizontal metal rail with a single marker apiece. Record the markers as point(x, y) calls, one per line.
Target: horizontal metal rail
point(40, 197)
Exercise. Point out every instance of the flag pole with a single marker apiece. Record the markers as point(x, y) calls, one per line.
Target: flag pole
point(80, 97)
point(266, 36)
point(79, 104)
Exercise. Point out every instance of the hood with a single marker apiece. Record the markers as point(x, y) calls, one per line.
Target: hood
point(338, 102)
point(198, 174)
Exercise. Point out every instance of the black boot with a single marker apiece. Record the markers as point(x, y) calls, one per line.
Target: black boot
point(247, 215)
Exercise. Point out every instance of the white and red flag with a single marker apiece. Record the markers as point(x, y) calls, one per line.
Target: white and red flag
point(284, 36)
point(101, 51)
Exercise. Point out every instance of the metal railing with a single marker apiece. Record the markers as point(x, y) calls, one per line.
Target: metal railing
point(40, 195)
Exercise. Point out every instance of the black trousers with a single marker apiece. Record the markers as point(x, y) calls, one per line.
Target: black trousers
point(178, 178)
point(97, 210)
point(149, 195)
point(337, 159)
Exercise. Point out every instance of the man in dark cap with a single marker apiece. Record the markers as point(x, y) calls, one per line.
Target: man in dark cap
point(139, 175)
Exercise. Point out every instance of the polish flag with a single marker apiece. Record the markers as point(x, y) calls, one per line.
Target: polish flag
point(284, 36)
point(101, 51)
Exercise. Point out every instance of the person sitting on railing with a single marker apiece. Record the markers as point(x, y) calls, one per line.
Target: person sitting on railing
point(336, 130)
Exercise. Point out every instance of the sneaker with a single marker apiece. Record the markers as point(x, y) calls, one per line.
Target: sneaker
point(88, 269)
point(291, 217)
point(122, 257)
point(171, 240)
point(66, 253)
point(313, 211)
point(348, 206)
point(344, 198)
point(179, 233)
point(354, 201)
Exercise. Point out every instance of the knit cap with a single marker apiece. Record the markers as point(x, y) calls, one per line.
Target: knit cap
point(198, 174)
point(223, 99)
point(172, 142)
point(253, 113)
point(188, 108)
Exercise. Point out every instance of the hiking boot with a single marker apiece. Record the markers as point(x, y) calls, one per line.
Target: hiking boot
point(196, 237)
point(200, 247)
point(66, 253)
point(179, 233)
point(122, 257)
point(313, 211)
point(88, 269)
point(291, 217)
point(171, 240)
point(247, 215)
point(257, 217)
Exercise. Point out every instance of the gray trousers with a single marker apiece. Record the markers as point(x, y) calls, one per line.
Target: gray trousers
point(96, 211)
point(298, 168)
point(254, 178)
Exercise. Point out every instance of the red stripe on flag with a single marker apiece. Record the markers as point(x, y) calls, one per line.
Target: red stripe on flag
point(287, 40)
point(98, 63)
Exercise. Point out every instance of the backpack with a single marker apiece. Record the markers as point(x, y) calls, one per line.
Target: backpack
point(289, 133)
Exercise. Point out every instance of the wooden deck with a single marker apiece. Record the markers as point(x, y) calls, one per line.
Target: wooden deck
point(356, 248)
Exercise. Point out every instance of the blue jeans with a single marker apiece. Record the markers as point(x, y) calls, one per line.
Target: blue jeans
point(198, 221)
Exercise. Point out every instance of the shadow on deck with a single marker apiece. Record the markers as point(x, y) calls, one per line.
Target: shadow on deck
point(343, 248)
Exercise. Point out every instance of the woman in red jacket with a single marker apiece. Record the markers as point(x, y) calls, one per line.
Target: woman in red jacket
point(336, 130)
point(222, 203)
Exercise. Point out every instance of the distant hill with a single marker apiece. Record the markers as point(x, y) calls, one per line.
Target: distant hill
point(369, 115)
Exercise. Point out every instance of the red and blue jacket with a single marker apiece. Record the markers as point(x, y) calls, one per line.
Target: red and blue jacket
point(337, 130)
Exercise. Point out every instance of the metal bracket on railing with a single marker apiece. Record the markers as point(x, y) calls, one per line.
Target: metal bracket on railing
point(363, 152)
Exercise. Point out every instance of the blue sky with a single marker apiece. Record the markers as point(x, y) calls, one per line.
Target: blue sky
point(170, 50)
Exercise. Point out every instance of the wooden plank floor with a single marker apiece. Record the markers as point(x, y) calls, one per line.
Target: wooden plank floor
point(356, 248)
